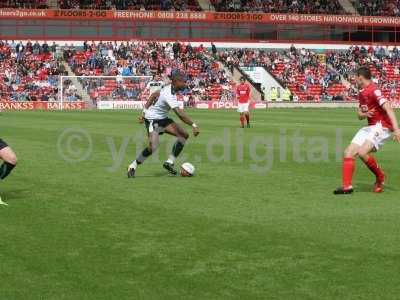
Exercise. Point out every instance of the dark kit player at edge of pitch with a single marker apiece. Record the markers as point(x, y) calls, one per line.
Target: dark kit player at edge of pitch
point(9, 162)
point(155, 117)
point(382, 125)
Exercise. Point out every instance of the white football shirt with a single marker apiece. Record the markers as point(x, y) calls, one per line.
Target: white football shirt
point(165, 102)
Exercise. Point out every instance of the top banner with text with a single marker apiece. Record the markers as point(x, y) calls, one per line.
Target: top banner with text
point(183, 16)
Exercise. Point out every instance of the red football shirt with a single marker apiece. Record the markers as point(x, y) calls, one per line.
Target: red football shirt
point(243, 92)
point(371, 98)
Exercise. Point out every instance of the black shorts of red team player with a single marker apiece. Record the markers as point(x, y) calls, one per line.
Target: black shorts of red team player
point(3, 144)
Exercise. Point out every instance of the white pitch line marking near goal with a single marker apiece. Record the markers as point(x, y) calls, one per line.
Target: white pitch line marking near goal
point(3, 203)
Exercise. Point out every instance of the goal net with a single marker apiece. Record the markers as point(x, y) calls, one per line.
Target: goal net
point(106, 91)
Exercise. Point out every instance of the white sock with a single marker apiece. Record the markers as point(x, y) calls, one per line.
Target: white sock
point(171, 159)
point(133, 165)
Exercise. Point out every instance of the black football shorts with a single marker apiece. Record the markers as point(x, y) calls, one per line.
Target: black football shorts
point(3, 144)
point(157, 125)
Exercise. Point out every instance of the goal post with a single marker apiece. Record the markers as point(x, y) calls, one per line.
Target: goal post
point(104, 91)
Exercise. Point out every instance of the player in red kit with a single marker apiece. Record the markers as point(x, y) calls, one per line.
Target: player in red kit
point(243, 94)
point(382, 125)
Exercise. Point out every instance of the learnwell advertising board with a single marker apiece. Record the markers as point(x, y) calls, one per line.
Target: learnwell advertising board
point(135, 105)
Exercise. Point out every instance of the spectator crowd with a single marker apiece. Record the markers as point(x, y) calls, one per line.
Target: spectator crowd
point(384, 63)
point(378, 7)
point(179, 5)
point(23, 4)
point(280, 6)
point(364, 7)
point(303, 71)
point(31, 71)
point(206, 79)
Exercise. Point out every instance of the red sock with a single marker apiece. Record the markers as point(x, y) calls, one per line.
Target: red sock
point(241, 120)
point(374, 168)
point(349, 166)
point(247, 118)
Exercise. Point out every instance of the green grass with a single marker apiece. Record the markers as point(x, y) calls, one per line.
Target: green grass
point(83, 231)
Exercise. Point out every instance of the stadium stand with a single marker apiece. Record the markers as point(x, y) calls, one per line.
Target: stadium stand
point(207, 80)
point(306, 75)
point(28, 72)
point(383, 62)
point(364, 7)
point(378, 7)
point(180, 5)
point(280, 6)
point(23, 4)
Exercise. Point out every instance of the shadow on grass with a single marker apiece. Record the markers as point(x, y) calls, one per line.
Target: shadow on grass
point(17, 194)
point(160, 175)
point(364, 187)
point(154, 175)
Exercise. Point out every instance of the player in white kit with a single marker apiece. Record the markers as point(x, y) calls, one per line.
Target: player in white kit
point(155, 117)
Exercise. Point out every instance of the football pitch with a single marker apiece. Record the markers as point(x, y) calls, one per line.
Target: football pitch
point(258, 220)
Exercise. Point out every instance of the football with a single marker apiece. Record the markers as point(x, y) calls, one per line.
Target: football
point(187, 170)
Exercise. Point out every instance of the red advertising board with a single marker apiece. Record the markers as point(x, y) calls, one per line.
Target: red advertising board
point(38, 105)
point(184, 16)
point(227, 105)
point(137, 105)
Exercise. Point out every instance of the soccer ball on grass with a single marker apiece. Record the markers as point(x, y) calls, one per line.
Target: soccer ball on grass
point(187, 170)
